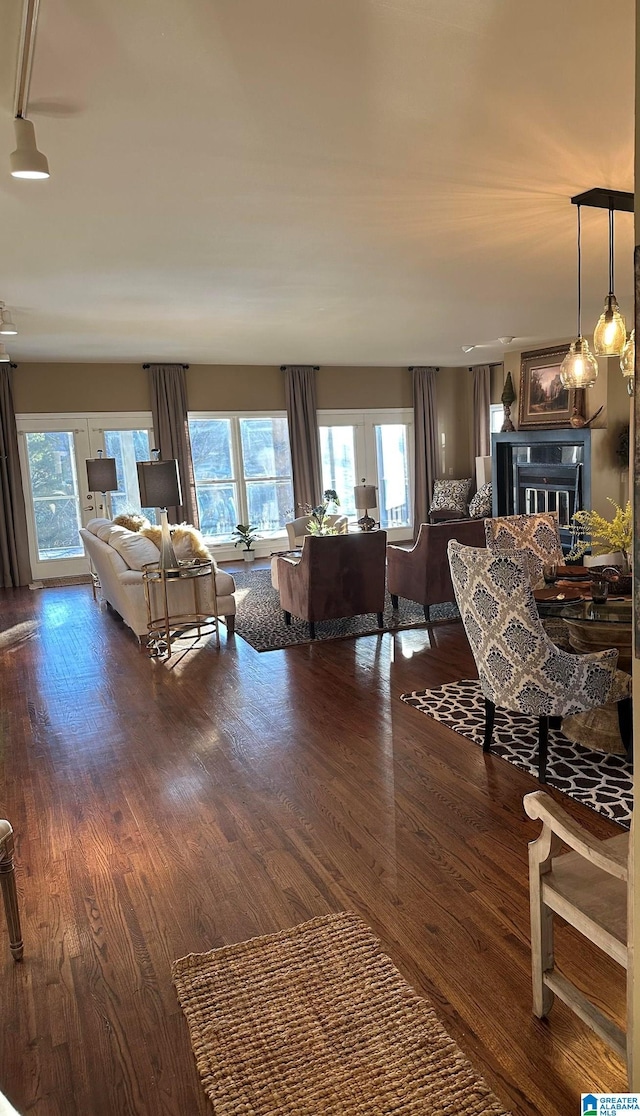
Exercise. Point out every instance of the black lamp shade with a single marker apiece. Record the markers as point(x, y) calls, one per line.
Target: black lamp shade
point(159, 483)
point(101, 474)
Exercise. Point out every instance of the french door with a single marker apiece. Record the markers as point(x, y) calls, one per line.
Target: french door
point(376, 446)
point(53, 453)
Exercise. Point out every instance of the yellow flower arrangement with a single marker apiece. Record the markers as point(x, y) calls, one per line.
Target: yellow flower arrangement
point(604, 535)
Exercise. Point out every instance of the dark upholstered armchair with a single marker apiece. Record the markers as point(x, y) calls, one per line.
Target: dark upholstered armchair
point(422, 574)
point(337, 575)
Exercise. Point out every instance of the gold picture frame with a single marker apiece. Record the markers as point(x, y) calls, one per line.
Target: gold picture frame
point(543, 401)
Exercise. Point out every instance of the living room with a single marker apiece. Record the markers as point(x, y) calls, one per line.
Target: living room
point(348, 211)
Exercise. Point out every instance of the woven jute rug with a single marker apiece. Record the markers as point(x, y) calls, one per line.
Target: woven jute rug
point(316, 1021)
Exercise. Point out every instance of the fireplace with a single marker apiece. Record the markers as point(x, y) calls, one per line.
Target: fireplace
point(543, 470)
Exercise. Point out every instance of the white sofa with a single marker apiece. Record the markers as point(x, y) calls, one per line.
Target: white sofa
point(118, 556)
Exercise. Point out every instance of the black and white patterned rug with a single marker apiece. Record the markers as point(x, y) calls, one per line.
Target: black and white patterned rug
point(598, 780)
point(259, 617)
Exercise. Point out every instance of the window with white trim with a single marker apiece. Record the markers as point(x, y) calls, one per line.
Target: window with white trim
point(242, 468)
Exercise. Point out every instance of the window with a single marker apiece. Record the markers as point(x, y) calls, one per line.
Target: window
point(128, 447)
point(376, 446)
point(242, 467)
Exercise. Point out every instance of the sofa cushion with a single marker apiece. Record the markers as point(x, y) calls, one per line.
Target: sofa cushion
point(451, 495)
point(136, 549)
point(95, 524)
point(103, 531)
point(482, 503)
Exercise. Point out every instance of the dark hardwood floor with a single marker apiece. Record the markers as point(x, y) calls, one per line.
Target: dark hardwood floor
point(167, 809)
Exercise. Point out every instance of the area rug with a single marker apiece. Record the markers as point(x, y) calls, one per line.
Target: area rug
point(316, 1021)
point(598, 780)
point(259, 617)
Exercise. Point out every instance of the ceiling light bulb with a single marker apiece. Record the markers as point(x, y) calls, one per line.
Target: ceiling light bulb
point(505, 340)
point(579, 368)
point(610, 334)
point(7, 327)
point(4, 356)
point(26, 161)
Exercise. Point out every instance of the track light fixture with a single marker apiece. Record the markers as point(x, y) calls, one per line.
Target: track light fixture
point(26, 161)
point(4, 356)
point(7, 328)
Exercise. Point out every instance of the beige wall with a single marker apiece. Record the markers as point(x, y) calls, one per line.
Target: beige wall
point(42, 388)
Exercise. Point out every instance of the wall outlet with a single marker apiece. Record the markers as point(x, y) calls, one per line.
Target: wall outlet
point(450, 472)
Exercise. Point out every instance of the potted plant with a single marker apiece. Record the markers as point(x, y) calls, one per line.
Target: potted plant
point(244, 534)
point(610, 540)
point(319, 521)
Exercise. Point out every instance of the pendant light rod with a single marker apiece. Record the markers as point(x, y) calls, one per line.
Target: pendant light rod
point(579, 279)
point(26, 50)
point(611, 270)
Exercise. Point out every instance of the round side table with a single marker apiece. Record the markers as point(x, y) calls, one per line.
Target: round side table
point(165, 627)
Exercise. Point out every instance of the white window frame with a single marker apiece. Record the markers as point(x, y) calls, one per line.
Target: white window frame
point(225, 551)
point(365, 447)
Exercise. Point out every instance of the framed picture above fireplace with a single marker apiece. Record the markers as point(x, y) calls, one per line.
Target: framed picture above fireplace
point(543, 401)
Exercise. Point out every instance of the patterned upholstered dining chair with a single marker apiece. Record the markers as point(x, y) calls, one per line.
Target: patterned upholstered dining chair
point(520, 668)
point(537, 534)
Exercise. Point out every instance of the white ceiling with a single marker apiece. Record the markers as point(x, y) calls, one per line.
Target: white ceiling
point(367, 182)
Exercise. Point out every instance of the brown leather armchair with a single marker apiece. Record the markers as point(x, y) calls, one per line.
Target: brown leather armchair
point(337, 575)
point(422, 573)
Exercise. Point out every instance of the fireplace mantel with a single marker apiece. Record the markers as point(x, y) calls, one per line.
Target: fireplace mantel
point(542, 470)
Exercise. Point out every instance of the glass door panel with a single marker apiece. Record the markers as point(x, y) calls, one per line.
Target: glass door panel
point(52, 459)
point(55, 494)
point(128, 447)
point(338, 456)
point(393, 475)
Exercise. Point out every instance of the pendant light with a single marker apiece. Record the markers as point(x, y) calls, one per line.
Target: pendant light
point(579, 368)
point(610, 334)
point(4, 356)
point(7, 328)
point(628, 362)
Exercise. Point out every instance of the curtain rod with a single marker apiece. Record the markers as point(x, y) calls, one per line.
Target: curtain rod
point(315, 367)
point(179, 365)
point(412, 366)
point(490, 364)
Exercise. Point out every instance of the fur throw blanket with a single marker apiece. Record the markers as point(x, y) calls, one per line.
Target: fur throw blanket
point(132, 521)
point(188, 542)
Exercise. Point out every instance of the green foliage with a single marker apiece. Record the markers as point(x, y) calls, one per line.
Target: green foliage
point(602, 535)
point(244, 533)
point(318, 522)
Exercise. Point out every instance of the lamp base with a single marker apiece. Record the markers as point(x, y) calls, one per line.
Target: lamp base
point(168, 558)
point(366, 523)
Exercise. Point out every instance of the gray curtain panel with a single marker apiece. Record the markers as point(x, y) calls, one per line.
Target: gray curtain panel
point(426, 437)
point(15, 567)
point(481, 403)
point(170, 423)
point(300, 394)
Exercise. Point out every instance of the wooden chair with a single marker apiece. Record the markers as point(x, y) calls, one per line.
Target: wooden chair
point(9, 891)
point(587, 887)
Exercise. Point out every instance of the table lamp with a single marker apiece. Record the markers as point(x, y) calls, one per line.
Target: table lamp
point(102, 477)
point(365, 497)
point(159, 483)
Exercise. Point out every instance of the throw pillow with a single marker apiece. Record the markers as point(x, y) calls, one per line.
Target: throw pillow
point(482, 503)
point(136, 550)
point(133, 521)
point(451, 495)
